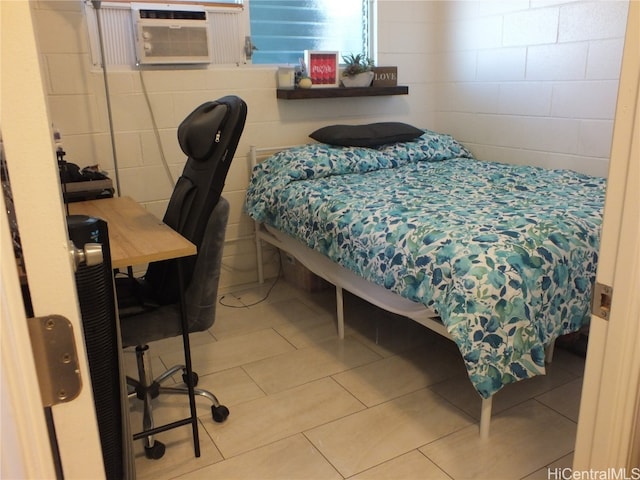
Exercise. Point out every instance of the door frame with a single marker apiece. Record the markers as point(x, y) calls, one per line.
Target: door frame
point(28, 144)
point(24, 427)
point(610, 395)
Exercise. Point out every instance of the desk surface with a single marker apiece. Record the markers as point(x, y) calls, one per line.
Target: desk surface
point(136, 236)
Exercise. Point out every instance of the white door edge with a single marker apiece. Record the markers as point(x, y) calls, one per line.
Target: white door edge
point(28, 144)
point(612, 375)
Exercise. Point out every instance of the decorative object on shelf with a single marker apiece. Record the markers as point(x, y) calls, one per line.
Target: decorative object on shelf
point(385, 76)
point(360, 80)
point(305, 82)
point(358, 71)
point(286, 77)
point(322, 68)
point(300, 71)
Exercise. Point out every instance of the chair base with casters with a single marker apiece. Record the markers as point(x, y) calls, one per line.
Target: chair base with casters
point(148, 388)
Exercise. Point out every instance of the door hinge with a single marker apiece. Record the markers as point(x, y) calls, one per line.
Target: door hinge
point(601, 303)
point(56, 358)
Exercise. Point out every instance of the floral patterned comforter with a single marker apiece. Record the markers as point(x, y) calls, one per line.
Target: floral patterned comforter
point(505, 254)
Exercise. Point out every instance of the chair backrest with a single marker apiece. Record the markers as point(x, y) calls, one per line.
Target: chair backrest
point(209, 137)
point(200, 295)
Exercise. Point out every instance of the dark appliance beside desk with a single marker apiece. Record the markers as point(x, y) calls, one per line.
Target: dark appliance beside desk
point(96, 297)
point(82, 184)
point(87, 190)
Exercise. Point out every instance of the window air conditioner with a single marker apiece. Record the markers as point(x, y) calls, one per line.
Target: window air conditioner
point(171, 34)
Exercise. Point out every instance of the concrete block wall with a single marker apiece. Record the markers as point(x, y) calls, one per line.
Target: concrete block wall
point(519, 81)
point(530, 81)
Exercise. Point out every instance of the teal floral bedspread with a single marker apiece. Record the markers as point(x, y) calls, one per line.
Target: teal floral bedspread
point(505, 254)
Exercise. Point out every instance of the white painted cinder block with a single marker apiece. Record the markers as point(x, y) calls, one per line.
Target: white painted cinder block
point(586, 100)
point(504, 64)
point(531, 27)
point(528, 98)
point(595, 138)
point(592, 20)
point(605, 59)
point(557, 62)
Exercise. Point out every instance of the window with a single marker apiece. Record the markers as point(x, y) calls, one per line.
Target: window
point(282, 29)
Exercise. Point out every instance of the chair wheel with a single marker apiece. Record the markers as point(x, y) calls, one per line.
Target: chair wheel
point(220, 413)
point(194, 376)
point(156, 451)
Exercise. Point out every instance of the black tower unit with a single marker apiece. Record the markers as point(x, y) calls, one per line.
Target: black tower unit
point(98, 310)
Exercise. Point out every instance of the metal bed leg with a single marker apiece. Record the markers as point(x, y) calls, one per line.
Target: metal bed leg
point(485, 417)
point(259, 254)
point(340, 311)
point(548, 352)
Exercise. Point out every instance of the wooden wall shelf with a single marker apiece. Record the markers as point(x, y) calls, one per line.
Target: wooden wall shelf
point(341, 92)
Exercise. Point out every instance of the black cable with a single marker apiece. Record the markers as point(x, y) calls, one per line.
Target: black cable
point(266, 295)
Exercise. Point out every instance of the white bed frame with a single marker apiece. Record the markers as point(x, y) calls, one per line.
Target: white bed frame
point(344, 279)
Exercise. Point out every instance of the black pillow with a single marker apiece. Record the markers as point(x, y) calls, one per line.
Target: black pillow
point(369, 135)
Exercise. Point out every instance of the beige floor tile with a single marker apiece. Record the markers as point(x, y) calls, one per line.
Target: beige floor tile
point(179, 455)
point(373, 436)
point(174, 344)
point(233, 352)
point(270, 291)
point(564, 399)
point(410, 466)
point(291, 369)
point(311, 330)
point(291, 458)
point(262, 316)
point(395, 376)
point(461, 393)
point(231, 386)
point(555, 470)
point(265, 420)
point(523, 439)
point(415, 436)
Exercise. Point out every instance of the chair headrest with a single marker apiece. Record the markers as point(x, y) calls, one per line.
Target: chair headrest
point(197, 132)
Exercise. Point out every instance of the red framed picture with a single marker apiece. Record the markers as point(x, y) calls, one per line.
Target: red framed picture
point(322, 68)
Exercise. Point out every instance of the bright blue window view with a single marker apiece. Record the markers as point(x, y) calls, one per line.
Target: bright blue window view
point(282, 29)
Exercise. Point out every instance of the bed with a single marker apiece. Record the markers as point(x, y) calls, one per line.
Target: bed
point(500, 258)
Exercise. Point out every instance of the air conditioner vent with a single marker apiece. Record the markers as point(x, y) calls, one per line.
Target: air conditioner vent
point(171, 35)
point(173, 14)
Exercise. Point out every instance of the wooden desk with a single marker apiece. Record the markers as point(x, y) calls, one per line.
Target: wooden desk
point(136, 236)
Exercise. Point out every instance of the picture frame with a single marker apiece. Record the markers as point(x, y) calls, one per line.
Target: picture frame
point(322, 68)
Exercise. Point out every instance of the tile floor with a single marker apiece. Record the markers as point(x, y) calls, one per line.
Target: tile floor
point(391, 400)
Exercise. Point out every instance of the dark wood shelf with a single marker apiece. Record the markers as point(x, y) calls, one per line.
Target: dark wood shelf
point(340, 92)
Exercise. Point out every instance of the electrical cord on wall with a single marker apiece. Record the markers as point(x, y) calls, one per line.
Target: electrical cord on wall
point(96, 6)
point(156, 132)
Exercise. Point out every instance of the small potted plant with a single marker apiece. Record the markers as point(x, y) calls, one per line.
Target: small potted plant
point(358, 71)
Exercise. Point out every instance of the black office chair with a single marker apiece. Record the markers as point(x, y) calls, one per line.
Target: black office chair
point(142, 320)
point(149, 307)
